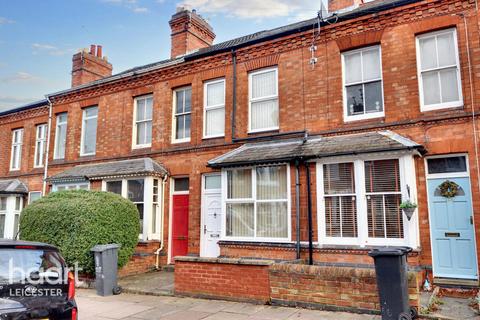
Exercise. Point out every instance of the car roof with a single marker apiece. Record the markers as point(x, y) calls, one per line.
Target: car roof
point(6, 243)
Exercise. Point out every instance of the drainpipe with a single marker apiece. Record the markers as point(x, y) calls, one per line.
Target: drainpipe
point(309, 209)
point(234, 92)
point(162, 218)
point(297, 204)
point(47, 151)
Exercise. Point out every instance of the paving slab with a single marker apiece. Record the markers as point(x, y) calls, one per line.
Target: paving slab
point(157, 283)
point(143, 307)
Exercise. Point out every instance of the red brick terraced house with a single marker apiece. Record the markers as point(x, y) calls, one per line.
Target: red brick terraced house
point(250, 148)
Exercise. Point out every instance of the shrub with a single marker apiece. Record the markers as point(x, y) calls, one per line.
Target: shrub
point(75, 221)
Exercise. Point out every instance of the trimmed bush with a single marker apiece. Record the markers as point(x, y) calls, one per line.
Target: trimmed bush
point(77, 220)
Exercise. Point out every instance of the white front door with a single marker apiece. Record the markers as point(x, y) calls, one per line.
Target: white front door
point(211, 215)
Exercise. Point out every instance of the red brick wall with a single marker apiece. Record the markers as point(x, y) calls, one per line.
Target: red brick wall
point(143, 259)
point(230, 279)
point(345, 288)
point(352, 289)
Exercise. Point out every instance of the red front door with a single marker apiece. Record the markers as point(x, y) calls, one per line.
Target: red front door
point(180, 225)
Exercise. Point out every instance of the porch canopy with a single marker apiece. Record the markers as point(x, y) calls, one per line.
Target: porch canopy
point(315, 147)
point(108, 170)
point(13, 186)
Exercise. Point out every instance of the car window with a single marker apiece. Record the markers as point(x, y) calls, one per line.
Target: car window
point(18, 264)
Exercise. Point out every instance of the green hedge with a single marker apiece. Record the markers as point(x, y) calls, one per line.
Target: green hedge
point(75, 221)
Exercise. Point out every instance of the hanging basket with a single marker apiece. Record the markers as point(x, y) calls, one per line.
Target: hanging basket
point(408, 212)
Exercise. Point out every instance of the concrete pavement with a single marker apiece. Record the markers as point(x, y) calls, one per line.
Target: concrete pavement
point(128, 306)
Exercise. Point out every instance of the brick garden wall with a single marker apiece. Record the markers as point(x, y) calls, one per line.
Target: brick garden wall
point(335, 288)
point(143, 259)
point(229, 279)
point(263, 281)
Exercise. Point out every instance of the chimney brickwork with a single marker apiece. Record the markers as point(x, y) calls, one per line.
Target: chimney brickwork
point(88, 66)
point(190, 32)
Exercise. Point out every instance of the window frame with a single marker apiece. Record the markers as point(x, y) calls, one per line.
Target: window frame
point(364, 116)
point(82, 140)
point(207, 108)
point(29, 201)
point(459, 174)
point(265, 98)
point(254, 200)
point(69, 186)
point(40, 142)
point(16, 150)
point(441, 105)
point(407, 177)
point(148, 203)
point(57, 141)
point(174, 114)
point(137, 122)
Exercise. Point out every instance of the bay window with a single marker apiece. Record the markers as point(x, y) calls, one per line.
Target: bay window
point(363, 84)
point(263, 104)
point(439, 70)
point(10, 209)
point(146, 194)
point(359, 201)
point(258, 203)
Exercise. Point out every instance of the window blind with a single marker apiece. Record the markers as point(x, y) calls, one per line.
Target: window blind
point(340, 200)
point(382, 184)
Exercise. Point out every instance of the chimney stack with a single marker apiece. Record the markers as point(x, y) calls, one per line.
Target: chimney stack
point(88, 66)
point(190, 32)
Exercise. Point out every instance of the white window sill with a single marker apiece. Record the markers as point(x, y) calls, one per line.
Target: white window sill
point(180, 141)
point(435, 107)
point(86, 154)
point(213, 137)
point(258, 240)
point(38, 167)
point(14, 169)
point(366, 116)
point(141, 146)
point(263, 130)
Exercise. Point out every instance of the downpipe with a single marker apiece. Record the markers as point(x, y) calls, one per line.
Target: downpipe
point(47, 151)
point(162, 219)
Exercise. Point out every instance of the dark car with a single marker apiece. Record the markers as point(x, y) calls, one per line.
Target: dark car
point(35, 282)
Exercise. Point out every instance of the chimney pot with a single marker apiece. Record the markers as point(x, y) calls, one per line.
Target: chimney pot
point(92, 49)
point(99, 51)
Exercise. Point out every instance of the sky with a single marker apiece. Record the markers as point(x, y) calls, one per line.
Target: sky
point(38, 38)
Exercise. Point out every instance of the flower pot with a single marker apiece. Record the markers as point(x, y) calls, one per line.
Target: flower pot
point(409, 212)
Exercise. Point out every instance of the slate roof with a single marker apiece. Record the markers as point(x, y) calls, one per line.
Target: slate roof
point(315, 147)
point(104, 170)
point(32, 105)
point(265, 35)
point(13, 186)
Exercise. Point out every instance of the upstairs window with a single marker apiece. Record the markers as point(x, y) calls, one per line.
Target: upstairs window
point(263, 94)
point(182, 113)
point(363, 86)
point(17, 142)
point(89, 131)
point(439, 70)
point(40, 143)
point(60, 136)
point(142, 130)
point(214, 110)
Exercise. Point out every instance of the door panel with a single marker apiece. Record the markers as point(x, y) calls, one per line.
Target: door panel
point(180, 225)
point(452, 232)
point(212, 224)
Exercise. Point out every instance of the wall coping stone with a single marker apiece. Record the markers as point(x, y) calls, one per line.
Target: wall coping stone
point(240, 261)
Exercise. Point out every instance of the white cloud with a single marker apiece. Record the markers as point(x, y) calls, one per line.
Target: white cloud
point(132, 5)
point(50, 50)
point(4, 20)
point(140, 10)
point(20, 77)
point(255, 9)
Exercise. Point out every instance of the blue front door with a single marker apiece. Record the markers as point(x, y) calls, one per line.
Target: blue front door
point(452, 232)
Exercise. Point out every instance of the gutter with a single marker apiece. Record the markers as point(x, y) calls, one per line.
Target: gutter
point(47, 151)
